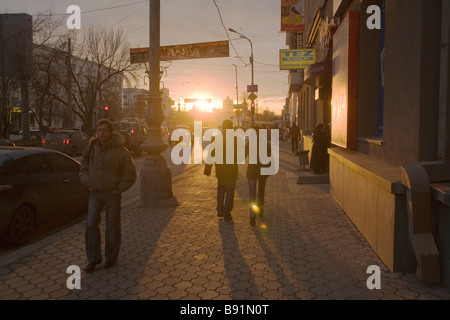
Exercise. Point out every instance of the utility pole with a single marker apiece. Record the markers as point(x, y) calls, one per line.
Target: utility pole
point(253, 75)
point(237, 90)
point(156, 177)
point(69, 86)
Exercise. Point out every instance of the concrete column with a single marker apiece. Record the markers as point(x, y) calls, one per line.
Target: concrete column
point(412, 80)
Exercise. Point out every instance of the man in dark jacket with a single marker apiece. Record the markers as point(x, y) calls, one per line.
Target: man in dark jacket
point(107, 170)
point(226, 175)
point(294, 135)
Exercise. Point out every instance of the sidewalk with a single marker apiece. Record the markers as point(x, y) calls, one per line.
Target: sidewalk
point(304, 247)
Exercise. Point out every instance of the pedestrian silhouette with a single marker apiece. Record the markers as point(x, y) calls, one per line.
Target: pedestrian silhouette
point(319, 150)
point(294, 135)
point(256, 181)
point(226, 175)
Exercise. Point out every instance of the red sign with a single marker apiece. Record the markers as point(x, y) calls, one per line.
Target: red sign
point(344, 102)
point(292, 15)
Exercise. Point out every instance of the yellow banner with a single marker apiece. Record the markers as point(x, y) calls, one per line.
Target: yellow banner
point(297, 59)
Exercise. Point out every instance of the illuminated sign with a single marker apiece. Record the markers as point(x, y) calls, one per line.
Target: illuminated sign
point(297, 59)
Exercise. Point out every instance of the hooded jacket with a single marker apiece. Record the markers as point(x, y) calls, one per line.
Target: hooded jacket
point(108, 167)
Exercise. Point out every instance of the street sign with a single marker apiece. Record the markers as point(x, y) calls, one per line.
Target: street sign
point(252, 88)
point(252, 96)
point(238, 106)
point(201, 50)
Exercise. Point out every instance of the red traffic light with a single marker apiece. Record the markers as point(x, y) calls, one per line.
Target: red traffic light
point(106, 108)
point(252, 104)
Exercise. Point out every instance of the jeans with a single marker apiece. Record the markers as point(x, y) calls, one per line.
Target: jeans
point(294, 142)
point(112, 203)
point(252, 183)
point(225, 196)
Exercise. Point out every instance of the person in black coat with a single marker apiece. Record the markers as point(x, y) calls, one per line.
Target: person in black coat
point(226, 175)
point(319, 150)
point(295, 136)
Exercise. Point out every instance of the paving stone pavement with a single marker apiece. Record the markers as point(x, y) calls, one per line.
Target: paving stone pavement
point(303, 248)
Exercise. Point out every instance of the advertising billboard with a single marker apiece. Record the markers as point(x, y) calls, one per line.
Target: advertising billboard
point(201, 50)
point(292, 15)
point(297, 59)
point(344, 102)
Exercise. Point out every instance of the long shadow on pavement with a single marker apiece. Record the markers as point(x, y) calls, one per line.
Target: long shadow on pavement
point(141, 232)
point(237, 270)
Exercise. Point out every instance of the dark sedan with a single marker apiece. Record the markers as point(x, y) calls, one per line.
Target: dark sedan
point(36, 186)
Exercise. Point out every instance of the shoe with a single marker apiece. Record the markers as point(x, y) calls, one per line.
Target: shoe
point(109, 264)
point(219, 214)
point(90, 267)
point(253, 221)
point(227, 218)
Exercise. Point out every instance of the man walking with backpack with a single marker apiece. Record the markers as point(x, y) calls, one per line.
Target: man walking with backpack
point(107, 170)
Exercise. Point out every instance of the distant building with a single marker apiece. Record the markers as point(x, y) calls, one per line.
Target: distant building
point(228, 110)
point(133, 98)
point(48, 101)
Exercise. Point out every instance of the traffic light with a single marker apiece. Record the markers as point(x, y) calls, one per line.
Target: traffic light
point(252, 104)
point(106, 108)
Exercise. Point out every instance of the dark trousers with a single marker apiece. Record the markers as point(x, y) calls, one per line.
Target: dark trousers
point(259, 182)
point(225, 196)
point(294, 142)
point(112, 203)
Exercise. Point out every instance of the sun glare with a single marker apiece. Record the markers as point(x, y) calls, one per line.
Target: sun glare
point(201, 102)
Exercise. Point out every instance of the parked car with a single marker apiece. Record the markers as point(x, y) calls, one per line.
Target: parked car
point(71, 142)
point(36, 186)
point(6, 142)
point(134, 134)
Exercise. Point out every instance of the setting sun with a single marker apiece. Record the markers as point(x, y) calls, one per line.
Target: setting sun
point(202, 103)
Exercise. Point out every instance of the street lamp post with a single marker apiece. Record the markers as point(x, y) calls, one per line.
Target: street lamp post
point(156, 177)
point(238, 113)
point(253, 74)
point(237, 90)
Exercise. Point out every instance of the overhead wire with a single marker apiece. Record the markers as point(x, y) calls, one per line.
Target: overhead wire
point(226, 32)
point(131, 14)
point(97, 10)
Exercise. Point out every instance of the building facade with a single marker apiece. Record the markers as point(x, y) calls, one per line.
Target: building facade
point(381, 81)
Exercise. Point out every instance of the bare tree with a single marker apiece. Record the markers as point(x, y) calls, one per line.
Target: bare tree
point(99, 65)
point(101, 73)
point(48, 65)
